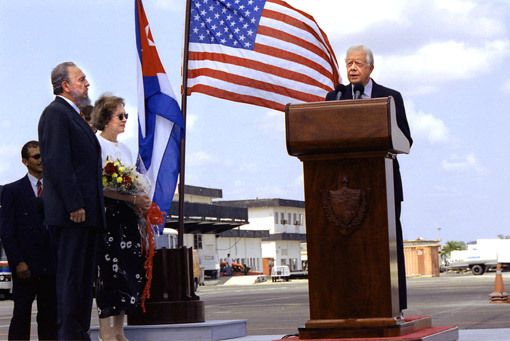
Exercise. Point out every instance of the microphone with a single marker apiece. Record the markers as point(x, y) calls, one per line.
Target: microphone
point(340, 89)
point(358, 90)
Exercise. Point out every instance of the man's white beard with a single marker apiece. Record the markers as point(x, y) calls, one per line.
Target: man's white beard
point(79, 100)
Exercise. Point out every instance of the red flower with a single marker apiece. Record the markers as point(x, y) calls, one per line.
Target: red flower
point(110, 168)
point(126, 180)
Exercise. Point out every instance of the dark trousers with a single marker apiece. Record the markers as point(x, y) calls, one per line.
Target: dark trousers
point(76, 251)
point(24, 291)
point(402, 285)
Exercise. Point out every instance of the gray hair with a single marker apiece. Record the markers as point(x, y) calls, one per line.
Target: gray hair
point(59, 74)
point(368, 52)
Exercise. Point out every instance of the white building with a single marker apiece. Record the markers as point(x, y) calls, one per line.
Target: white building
point(212, 229)
point(285, 221)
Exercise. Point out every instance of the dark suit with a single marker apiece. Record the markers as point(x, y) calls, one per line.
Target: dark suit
point(377, 92)
point(71, 158)
point(26, 239)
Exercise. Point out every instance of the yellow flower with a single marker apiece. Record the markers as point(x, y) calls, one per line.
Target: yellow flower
point(116, 163)
point(119, 180)
point(121, 169)
point(114, 175)
point(105, 181)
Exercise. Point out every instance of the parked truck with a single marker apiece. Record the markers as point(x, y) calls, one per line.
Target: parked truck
point(481, 257)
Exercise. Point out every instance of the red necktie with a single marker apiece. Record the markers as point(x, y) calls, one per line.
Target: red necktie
point(39, 188)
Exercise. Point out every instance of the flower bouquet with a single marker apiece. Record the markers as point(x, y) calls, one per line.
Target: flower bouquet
point(124, 179)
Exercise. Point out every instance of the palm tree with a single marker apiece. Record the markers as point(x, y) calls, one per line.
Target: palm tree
point(451, 246)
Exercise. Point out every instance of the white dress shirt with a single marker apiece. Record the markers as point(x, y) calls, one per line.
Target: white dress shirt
point(33, 182)
point(367, 93)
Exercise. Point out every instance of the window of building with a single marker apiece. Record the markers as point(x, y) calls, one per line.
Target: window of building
point(295, 219)
point(276, 218)
point(197, 241)
point(300, 219)
point(282, 216)
point(289, 218)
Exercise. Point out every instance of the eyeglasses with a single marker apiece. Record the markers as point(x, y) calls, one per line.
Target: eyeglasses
point(36, 156)
point(121, 116)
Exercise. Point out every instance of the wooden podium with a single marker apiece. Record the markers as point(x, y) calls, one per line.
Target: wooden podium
point(347, 149)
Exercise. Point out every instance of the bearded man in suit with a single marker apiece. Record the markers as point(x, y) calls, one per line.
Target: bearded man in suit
point(359, 62)
point(29, 249)
point(73, 197)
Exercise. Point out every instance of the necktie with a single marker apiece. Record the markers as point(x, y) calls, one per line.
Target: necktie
point(39, 188)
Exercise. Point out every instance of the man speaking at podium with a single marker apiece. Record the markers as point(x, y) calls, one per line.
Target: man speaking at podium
point(359, 62)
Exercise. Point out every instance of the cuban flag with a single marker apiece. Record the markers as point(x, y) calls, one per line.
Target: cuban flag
point(160, 122)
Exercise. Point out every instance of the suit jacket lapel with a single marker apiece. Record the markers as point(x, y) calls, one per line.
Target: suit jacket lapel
point(80, 121)
point(27, 187)
point(376, 90)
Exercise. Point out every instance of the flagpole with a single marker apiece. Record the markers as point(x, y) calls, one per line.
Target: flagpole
point(184, 106)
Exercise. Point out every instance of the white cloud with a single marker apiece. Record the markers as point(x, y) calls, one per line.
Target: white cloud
point(200, 159)
point(428, 127)
point(272, 122)
point(5, 124)
point(191, 121)
point(249, 167)
point(442, 190)
point(446, 61)
point(11, 167)
point(463, 164)
point(418, 43)
point(505, 87)
point(172, 5)
point(457, 6)
point(424, 18)
point(334, 12)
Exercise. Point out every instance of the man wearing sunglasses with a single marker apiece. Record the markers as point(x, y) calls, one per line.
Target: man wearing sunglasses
point(73, 197)
point(29, 249)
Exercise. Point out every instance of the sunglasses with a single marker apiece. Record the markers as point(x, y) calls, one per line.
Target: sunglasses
point(36, 156)
point(121, 116)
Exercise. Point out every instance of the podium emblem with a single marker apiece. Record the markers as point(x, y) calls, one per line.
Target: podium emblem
point(345, 208)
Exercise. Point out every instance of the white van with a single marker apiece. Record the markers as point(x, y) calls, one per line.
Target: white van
point(211, 265)
point(280, 272)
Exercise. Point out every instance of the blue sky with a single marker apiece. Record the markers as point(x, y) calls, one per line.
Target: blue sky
point(449, 59)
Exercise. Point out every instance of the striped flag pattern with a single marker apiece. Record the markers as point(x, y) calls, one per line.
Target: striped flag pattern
point(261, 52)
point(161, 126)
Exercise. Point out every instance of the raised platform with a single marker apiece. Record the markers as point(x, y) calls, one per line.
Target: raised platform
point(204, 331)
point(412, 328)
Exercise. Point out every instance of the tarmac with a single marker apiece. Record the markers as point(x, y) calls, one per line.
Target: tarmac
point(498, 334)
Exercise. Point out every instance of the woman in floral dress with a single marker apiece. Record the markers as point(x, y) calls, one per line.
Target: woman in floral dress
point(119, 259)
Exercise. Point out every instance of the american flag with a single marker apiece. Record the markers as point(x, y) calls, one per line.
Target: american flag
point(261, 52)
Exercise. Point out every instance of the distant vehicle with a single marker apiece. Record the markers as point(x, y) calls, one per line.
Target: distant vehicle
point(168, 239)
point(236, 267)
point(481, 257)
point(211, 265)
point(280, 272)
point(5, 276)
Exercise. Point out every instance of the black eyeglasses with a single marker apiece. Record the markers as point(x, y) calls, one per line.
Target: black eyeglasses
point(36, 156)
point(121, 116)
